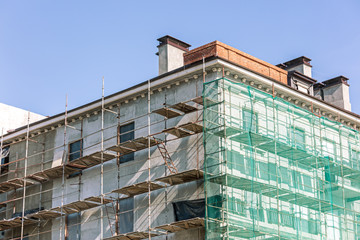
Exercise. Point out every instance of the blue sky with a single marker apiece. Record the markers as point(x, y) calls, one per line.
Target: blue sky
point(52, 48)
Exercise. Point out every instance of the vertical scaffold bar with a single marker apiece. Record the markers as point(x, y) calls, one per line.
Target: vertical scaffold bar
point(102, 163)
point(149, 165)
point(25, 171)
point(63, 169)
point(1, 144)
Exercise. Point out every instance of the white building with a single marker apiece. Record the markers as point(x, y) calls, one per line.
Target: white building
point(131, 165)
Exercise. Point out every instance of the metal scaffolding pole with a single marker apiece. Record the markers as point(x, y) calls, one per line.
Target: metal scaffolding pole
point(102, 163)
point(149, 165)
point(63, 170)
point(25, 171)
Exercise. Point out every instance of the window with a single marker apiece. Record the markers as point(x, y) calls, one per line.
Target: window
point(5, 157)
point(126, 215)
point(236, 160)
point(73, 226)
point(127, 133)
point(250, 120)
point(272, 171)
point(314, 227)
point(189, 209)
point(355, 157)
point(285, 176)
point(287, 219)
point(297, 135)
point(307, 183)
point(75, 150)
point(257, 214)
point(272, 216)
point(329, 150)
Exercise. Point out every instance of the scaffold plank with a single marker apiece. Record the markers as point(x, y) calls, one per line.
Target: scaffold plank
point(133, 145)
point(77, 206)
point(52, 173)
point(250, 138)
point(98, 200)
point(167, 112)
point(132, 236)
point(138, 188)
point(223, 131)
point(91, 160)
point(184, 107)
point(178, 132)
point(45, 215)
point(15, 222)
point(182, 177)
point(198, 100)
point(183, 225)
point(14, 183)
point(193, 127)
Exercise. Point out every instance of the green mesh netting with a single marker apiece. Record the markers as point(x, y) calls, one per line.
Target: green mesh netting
point(276, 171)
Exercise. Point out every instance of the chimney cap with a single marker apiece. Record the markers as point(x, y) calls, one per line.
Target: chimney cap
point(174, 42)
point(295, 62)
point(336, 80)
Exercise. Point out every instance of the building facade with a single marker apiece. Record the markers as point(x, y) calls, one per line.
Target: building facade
point(220, 145)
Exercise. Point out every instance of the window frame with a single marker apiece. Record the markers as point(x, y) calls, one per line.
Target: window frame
point(292, 134)
point(5, 169)
point(252, 113)
point(77, 225)
point(127, 211)
point(80, 151)
point(130, 156)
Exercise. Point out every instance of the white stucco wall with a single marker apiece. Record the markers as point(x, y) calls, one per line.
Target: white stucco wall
point(13, 117)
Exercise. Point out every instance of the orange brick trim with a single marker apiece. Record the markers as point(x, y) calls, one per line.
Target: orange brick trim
point(238, 57)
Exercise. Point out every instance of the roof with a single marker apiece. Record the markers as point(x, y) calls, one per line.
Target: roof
point(302, 76)
point(295, 62)
point(174, 42)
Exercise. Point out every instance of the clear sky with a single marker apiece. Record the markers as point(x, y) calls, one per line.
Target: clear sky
point(52, 48)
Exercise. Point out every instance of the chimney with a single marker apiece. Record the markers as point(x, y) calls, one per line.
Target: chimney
point(171, 51)
point(300, 64)
point(335, 91)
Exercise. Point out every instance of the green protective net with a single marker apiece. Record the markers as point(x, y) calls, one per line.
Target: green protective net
point(276, 171)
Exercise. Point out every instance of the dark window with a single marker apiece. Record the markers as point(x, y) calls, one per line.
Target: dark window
point(189, 209)
point(214, 204)
point(329, 175)
point(73, 226)
point(257, 214)
point(75, 150)
point(127, 133)
point(5, 157)
point(250, 120)
point(272, 216)
point(126, 215)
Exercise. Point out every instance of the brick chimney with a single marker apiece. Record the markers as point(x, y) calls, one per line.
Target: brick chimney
point(171, 53)
point(334, 91)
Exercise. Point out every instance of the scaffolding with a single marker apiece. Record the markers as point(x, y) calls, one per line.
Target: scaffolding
point(274, 170)
point(46, 174)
